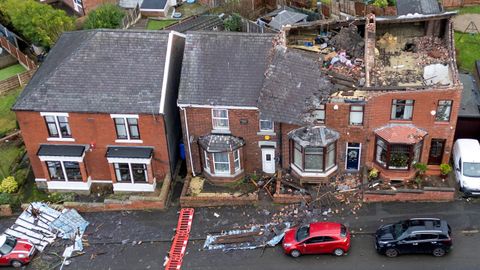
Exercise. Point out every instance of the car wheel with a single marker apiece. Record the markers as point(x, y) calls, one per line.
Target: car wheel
point(16, 264)
point(391, 252)
point(338, 252)
point(295, 253)
point(438, 252)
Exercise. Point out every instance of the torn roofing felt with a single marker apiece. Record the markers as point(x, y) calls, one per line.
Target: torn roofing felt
point(294, 83)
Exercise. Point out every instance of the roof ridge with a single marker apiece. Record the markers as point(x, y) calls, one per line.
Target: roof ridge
point(229, 33)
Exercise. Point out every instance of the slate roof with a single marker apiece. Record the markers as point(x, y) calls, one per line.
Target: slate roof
point(286, 17)
point(129, 3)
point(129, 152)
point(105, 71)
point(292, 81)
point(61, 150)
point(220, 143)
point(223, 68)
point(153, 4)
point(405, 7)
point(202, 22)
point(470, 105)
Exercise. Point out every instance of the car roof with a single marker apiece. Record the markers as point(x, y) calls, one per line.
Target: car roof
point(469, 149)
point(431, 225)
point(324, 229)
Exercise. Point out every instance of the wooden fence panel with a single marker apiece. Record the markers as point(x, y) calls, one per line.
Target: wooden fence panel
point(15, 81)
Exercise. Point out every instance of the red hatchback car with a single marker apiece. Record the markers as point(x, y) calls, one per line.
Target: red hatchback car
point(15, 252)
point(317, 238)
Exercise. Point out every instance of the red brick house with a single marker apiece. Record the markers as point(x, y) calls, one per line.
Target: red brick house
point(386, 107)
point(101, 109)
point(82, 7)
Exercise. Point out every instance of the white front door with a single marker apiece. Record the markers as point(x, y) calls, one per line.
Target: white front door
point(268, 160)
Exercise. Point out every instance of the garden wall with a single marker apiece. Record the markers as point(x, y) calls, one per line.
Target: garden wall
point(15, 81)
point(427, 194)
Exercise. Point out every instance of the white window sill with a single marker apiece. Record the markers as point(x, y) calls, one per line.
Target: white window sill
point(313, 174)
point(51, 139)
point(128, 141)
point(228, 175)
point(266, 133)
point(70, 185)
point(137, 187)
point(221, 131)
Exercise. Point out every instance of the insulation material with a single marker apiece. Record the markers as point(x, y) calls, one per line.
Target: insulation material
point(437, 74)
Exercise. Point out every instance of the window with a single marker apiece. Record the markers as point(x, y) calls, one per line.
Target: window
point(131, 172)
point(444, 109)
point(64, 170)
point(397, 156)
point(314, 159)
point(266, 125)
point(314, 240)
point(402, 109)
point(356, 115)
point(319, 114)
point(127, 128)
point(236, 160)
point(58, 126)
point(220, 119)
point(221, 163)
point(207, 161)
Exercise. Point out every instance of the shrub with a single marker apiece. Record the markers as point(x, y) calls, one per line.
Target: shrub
point(6, 198)
point(106, 16)
point(373, 174)
point(380, 3)
point(421, 168)
point(445, 168)
point(60, 197)
point(9, 185)
point(39, 23)
point(233, 23)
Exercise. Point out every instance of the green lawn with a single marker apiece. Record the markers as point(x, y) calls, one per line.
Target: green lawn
point(468, 50)
point(469, 10)
point(10, 71)
point(7, 117)
point(159, 24)
point(9, 153)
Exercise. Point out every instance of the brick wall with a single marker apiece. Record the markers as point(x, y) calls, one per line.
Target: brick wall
point(88, 5)
point(428, 194)
point(200, 124)
point(97, 129)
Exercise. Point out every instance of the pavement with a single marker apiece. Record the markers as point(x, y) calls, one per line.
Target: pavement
point(141, 239)
point(461, 22)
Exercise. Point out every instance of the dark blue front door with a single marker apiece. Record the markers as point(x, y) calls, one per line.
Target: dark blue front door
point(353, 156)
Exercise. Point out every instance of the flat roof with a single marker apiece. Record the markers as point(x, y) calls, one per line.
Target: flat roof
point(55, 150)
point(470, 104)
point(129, 152)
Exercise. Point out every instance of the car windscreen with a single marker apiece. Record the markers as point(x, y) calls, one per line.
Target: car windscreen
point(471, 169)
point(302, 233)
point(8, 246)
point(398, 229)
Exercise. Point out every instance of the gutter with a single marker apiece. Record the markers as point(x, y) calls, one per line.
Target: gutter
point(188, 140)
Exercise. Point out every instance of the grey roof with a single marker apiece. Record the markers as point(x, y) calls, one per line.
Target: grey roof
point(202, 22)
point(220, 143)
point(318, 136)
point(405, 7)
point(470, 105)
point(153, 4)
point(129, 152)
point(61, 150)
point(129, 3)
point(293, 81)
point(286, 17)
point(106, 71)
point(223, 68)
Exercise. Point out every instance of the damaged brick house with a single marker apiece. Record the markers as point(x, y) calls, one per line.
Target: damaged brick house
point(102, 109)
point(81, 7)
point(333, 97)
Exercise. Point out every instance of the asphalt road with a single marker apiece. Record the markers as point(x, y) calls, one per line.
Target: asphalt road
point(140, 240)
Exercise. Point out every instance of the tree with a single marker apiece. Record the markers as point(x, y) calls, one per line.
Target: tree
point(41, 24)
point(233, 23)
point(106, 16)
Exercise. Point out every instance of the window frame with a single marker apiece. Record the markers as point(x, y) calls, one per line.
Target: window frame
point(441, 106)
point(56, 122)
point(356, 111)
point(395, 103)
point(127, 127)
point(266, 130)
point(236, 160)
point(411, 154)
point(322, 108)
point(116, 168)
point(228, 172)
point(214, 127)
point(63, 170)
point(325, 152)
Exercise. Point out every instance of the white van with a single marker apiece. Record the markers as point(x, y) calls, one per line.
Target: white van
point(466, 163)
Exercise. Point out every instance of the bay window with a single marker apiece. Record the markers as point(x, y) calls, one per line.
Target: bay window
point(397, 156)
point(64, 170)
point(131, 172)
point(313, 158)
point(221, 163)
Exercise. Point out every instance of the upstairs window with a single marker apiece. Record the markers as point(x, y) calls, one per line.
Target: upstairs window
point(444, 109)
point(356, 115)
point(402, 109)
point(126, 127)
point(266, 125)
point(220, 119)
point(319, 114)
point(57, 125)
